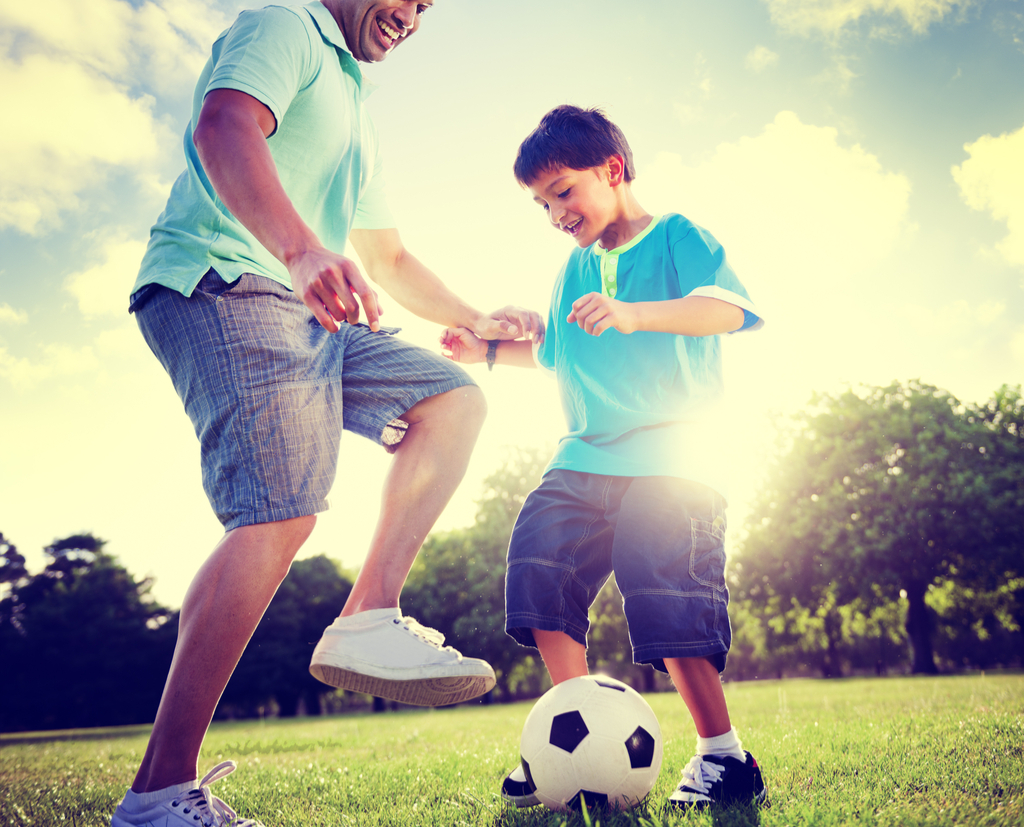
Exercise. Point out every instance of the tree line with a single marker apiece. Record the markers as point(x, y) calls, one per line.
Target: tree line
point(888, 536)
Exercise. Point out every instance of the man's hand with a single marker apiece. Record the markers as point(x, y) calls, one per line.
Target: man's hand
point(329, 285)
point(463, 346)
point(596, 313)
point(511, 323)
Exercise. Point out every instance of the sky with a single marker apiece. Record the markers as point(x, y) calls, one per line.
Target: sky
point(861, 161)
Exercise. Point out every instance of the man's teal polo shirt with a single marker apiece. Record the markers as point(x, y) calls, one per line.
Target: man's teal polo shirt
point(293, 60)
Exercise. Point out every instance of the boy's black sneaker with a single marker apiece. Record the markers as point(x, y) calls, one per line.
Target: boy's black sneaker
point(715, 779)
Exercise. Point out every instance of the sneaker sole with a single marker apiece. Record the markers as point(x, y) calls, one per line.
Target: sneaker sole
point(441, 691)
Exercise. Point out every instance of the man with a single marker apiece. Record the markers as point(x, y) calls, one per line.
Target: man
point(245, 298)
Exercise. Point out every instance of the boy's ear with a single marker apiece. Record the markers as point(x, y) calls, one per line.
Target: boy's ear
point(616, 168)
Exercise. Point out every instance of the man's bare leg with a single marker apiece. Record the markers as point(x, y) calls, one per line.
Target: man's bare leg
point(221, 610)
point(427, 468)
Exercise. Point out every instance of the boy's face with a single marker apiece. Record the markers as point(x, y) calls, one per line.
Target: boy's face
point(579, 202)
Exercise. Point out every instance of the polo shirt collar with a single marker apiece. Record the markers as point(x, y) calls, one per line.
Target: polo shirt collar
point(334, 36)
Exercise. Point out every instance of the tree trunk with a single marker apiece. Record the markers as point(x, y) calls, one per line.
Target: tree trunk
point(919, 630)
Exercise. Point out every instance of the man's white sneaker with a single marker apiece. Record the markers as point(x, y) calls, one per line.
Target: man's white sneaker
point(195, 808)
point(381, 653)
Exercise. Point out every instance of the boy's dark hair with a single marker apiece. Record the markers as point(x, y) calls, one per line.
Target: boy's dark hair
point(571, 137)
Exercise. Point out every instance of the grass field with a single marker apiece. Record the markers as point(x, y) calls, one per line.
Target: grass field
point(898, 751)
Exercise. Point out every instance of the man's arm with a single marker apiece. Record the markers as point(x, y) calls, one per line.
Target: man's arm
point(231, 139)
point(689, 316)
point(416, 288)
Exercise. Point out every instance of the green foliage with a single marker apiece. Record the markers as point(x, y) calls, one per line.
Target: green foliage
point(274, 670)
point(83, 642)
point(458, 581)
point(937, 751)
point(879, 497)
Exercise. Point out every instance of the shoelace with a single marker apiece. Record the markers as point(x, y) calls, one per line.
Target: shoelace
point(700, 774)
point(206, 808)
point(425, 633)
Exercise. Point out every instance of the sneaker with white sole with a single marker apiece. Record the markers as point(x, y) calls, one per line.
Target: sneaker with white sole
point(517, 789)
point(196, 808)
point(381, 653)
point(716, 779)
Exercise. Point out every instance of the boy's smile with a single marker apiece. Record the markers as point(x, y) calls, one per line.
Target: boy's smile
point(579, 202)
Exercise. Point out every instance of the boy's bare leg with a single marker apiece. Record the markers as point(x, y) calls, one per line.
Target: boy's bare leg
point(563, 656)
point(221, 610)
point(697, 681)
point(425, 471)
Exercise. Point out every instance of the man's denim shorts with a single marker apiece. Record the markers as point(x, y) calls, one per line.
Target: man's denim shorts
point(664, 539)
point(269, 391)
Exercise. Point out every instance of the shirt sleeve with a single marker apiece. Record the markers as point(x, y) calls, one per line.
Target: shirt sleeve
point(268, 54)
point(703, 270)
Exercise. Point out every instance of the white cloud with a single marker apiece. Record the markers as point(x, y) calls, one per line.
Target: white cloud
point(792, 196)
point(760, 58)
point(72, 75)
point(103, 288)
point(960, 319)
point(49, 154)
point(992, 180)
point(59, 361)
point(9, 315)
point(830, 17)
point(808, 225)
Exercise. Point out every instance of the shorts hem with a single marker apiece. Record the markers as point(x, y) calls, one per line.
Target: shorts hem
point(654, 654)
point(520, 628)
point(275, 515)
point(402, 407)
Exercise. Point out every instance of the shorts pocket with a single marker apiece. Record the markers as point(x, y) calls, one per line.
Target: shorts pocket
point(707, 553)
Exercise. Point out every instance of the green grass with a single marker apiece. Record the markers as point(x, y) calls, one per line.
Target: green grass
point(930, 751)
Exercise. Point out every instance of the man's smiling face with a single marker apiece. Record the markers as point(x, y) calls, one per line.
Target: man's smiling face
point(372, 28)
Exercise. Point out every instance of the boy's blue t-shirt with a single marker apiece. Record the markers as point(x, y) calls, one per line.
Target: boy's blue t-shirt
point(643, 404)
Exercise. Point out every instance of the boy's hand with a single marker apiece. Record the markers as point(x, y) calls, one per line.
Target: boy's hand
point(463, 346)
point(511, 323)
point(596, 313)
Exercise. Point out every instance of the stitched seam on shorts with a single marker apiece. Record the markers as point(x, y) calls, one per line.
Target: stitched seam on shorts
point(537, 561)
point(521, 620)
point(713, 595)
point(247, 427)
point(582, 539)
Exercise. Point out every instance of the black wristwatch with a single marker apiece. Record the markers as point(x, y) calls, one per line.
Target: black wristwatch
point(492, 352)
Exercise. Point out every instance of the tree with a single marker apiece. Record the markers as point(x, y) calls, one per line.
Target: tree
point(886, 495)
point(458, 581)
point(275, 665)
point(84, 643)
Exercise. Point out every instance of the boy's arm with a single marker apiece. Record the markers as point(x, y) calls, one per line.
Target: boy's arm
point(689, 316)
point(461, 345)
point(417, 289)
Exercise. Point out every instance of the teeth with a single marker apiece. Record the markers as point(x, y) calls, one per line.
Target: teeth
point(574, 225)
point(392, 33)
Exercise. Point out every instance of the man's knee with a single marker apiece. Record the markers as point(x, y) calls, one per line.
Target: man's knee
point(277, 542)
point(464, 407)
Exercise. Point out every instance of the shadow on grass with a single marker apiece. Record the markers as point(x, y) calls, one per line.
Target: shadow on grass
point(736, 815)
point(99, 734)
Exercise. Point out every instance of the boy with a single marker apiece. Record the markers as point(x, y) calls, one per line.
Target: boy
point(633, 488)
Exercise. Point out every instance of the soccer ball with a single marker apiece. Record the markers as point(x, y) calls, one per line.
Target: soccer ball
point(591, 737)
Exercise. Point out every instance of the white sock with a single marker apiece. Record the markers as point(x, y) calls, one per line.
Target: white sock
point(726, 744)
point(137, 802)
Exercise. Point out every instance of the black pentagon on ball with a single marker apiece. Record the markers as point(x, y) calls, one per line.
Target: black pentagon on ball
point(608, 685)
point(568, 730)
point(640, 746)
point(591, 800)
